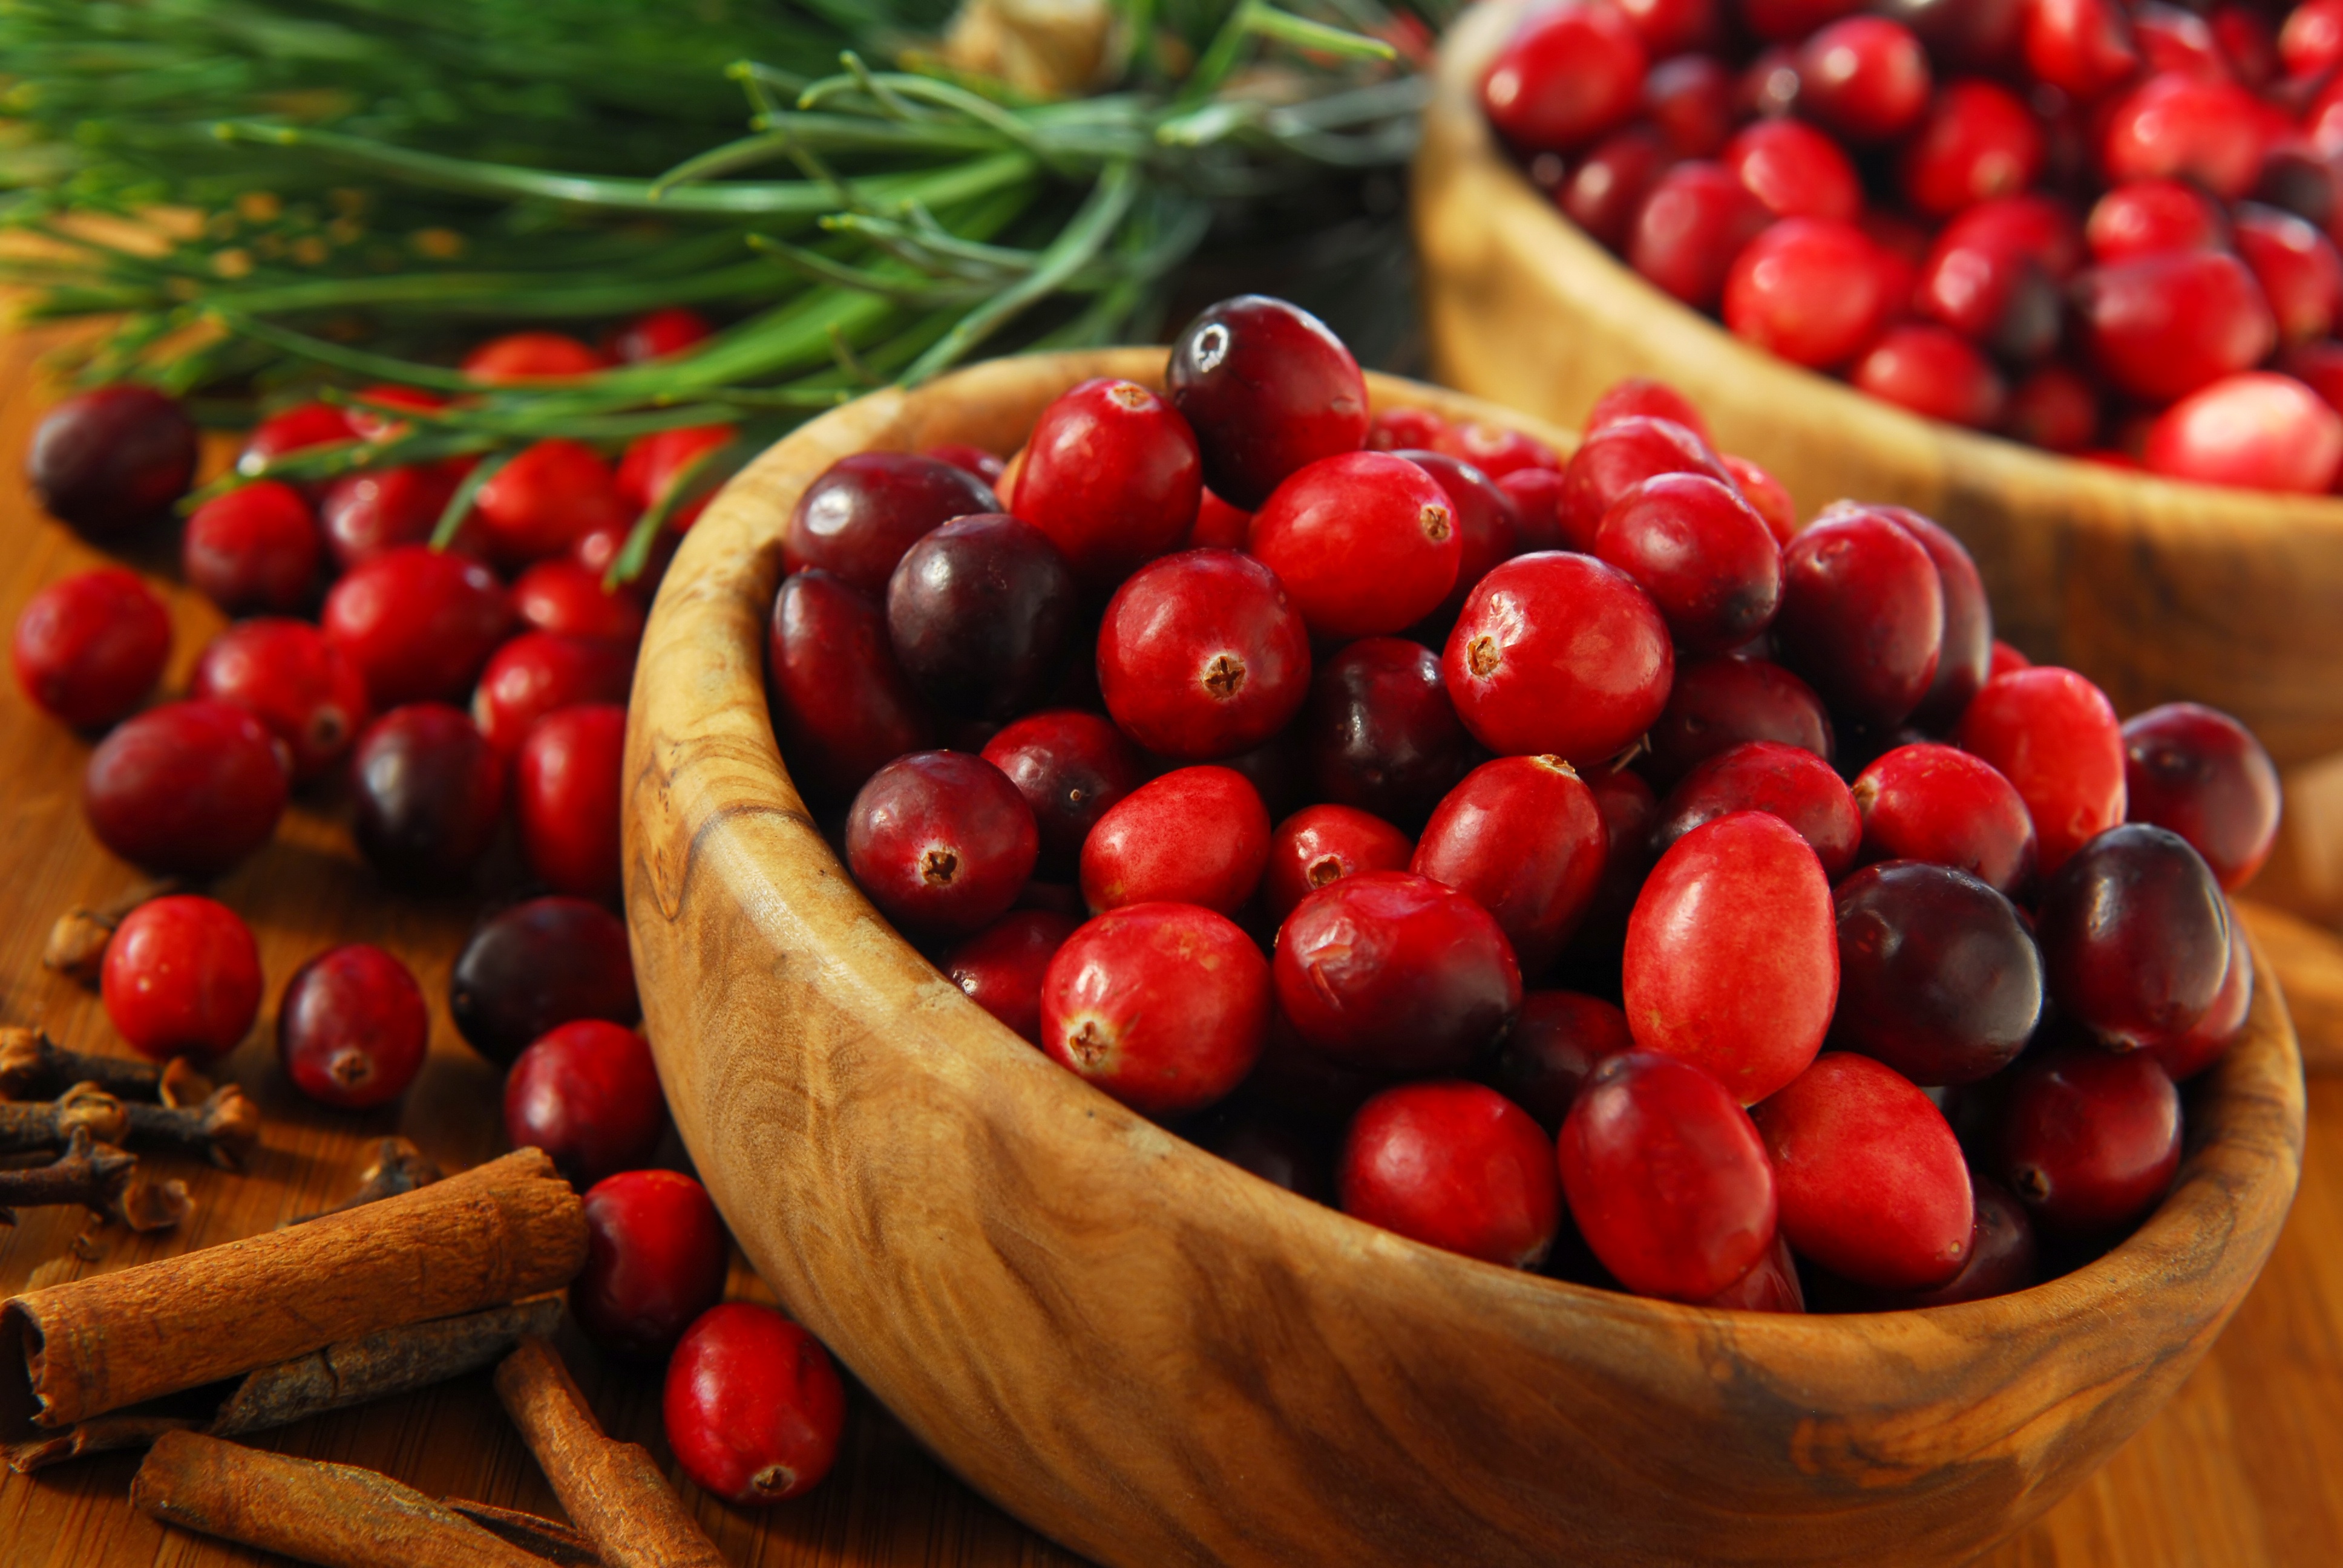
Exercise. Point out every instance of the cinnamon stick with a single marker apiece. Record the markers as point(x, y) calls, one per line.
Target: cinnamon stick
point(398, 1166)
point(548, 1538)
point(338, 1515)
point(76, 945)
point(613, 1492)
point(32, 1067)
point(508, 1229)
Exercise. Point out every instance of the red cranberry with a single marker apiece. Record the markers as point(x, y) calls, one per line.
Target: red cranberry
point(1808, 289)
point(2135, 936)
point(1071, 767)
point(1978, 141)
point(367, 515)
point(1862, 616)
point(1666, 1177)
point(1641, 397)
point(941, 842)
point(1496, 449)
point(2002, 1252)
point(1768, 85)
point(90, 647)
point(2297, 268)
point(1964, 656)
point(189, 788)
point(1111, 475)
point(1364, 542)
point(1488, 525)
point(352, 1028)
point(419, 623)
point(655, 464)
point(2256, 430)
point(1691, 229)
point(1203, 655)
point(1456, 1166)
point(1788, 781)
point(2006, 658)
point(1380, 732)
point(864, 511)
point(1322, 844)
point(841, 706)
point(655, 1260)
point(2169, 126)
point(564, 599)
point(587, 1094)
point(1933, 372)
point(2201, 773)
point(537, 965)
point(1219, 525)
point(1766, 495)
point(182, 976)
point(979, 613)
point(1771, 1286)
point(597, 551)
point(538, 504)
point(1941, 805)
point(1406, 429)
point(2212, 1035)
point(429, 792)
point(1000, 966)
point(2159, 326)
point(1938, 975)
point(567, 781)
point(1268, 390)
point(293, 429)
point(1731, 959)
point(520, 357)
point(1999, 298)
point(2155, 217)
point(287, 675)
point(970, 459)
point(1865, 77)
point(1393, 972)
point(253, 550)
point(1628, 809)
point(2090, 1141)
point(1195, 836)
point(1164, 1006)
point(1671, 27)
point(657, 334)
point(1795, 170)
point(1689, 99)
point(1708, 560)
point(104, 461)
point(1624, 451)
point(752, 1407)
point(1558, 654)
point(1522, 837)
point(1971, 34)
point(2053, 735)
point(2310, 42)
point(539, 673)
point(2082, 47)
point(1716, 704)
point(1569, 72)
point(1560, 1038)
point(2053, 407)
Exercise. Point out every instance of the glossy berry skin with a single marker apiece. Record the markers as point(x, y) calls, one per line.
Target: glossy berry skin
point(1456, 1166)
point(1642, 398)
point(89, 648)
point(181, 977)
point(1808, 289)
point(979, 613)
point(1615, 459)
point(1112, 476)
point(419, 623)
point(1666, 1177)
point(368, 513)
point(941, 842)
point(2153, 217)
point(1560, 1038)
point(1938, 975)
point(537, 965)
point(2089, 1141)
point(566, 797)
point(352, 1029)
point(657, 463)
point(842, 709)
point(587, 1094)
point(974, 459)
point(2159, 326)
point(2053, 736)
point(1933, 372)
point(253, 550)
point(2082, 47)
point(1364, 542)
point(1964, 657)
point(1071, 767)
point(428, 791)
point(1522, 837)
point(1869, 1178)
point(293, 429)
point(541, 502)
point(2297, 267)
point(1709, 561)
point(1977, 141)
point(857, 519)
point(2201, 773)
point(1941, 805)
point(567, 600)
point(1193, 836)
point(188, 788)
point(2135, 936)
point(286, 674)
point(1795, 170)
point(2256, 430)
point(1865, 77)
point(1716, 704)
point(1787, 781)
point(2003, 1252)
point(104, 461)
point(1766, 495)
point(1324, 843)
point(1771, 1286)
point(1000, 966)
point(1732, 958)
point(1861, 617)
point(1219, 525)
point(1570, 73)
point(522, 356)
point(1380, 732)
point(1608, 186)
point(1488, 523)
point(2211, 1036)
point(1203, 655)
point(1692, 227)
point(2054, 407)
point(1268, 390)
point(1406, 429)
point(657, 334)
point(655, 1260)
point(1558, 654)
point(752, 1406)
point(1391, 973)
point(2169, 127)
point(539, 673)
point(1164, 1006)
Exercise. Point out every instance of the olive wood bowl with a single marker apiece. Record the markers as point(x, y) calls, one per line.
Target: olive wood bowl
point(1156, 1358)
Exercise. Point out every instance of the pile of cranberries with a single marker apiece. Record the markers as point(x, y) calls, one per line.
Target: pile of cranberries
point(1574, 865)
point(2103, 227)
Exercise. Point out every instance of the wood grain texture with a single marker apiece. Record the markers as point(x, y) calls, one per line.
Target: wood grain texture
point(1158, 1359)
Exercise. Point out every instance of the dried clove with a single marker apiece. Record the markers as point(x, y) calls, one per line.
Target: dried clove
point(222, 1129)
point(32, 1066)
point(76, 946)
point(51, 1123)
point(101, 1179)
point(398, 1166)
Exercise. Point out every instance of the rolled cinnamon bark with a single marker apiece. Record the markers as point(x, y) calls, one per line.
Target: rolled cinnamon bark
point(548, 1538)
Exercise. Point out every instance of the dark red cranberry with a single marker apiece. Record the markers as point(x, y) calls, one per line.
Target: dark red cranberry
point(1268, 390)
point(1766, 495)
point(1671, 27)
point(521, 356)
point(1810, 290)
point(1569, 72)
point(253, 550)
point(841, 706)
point(1277, 1146)
point(1964, 656)
point(1456, 1166)
point(567, 600)
point(1111, 475)
point(2212, 1035)
point(1164, 1006)
point(1560, 1038)
point(2053, 407)
point(1767, 89)
point(537, 965)
point(1381, 733)
point(979, 613)
point(2082, 47)
point(286, 674)
point(1970, 34)
point(1324, 843)
point(752, 1407)
point(1203, 655)
point(1690, 99)
point(1628, 809)
point(539, 673)
point(1933, 372)
point(367, 515)
point(1487, 522)
point(1364, 542)
point(1977, 141)
point(986, 466)
point(1865, 77)
point(1862, 616)
point(1194, 836)
point(1938, 975)
point(1708, 560)
point(293, 429)
point(352, 1028)
point(89, 648)
point(1691, 229)
point(2155, 217)
point(657, 463)
point(2053, 736)
point(941, 842)
point(2255, 431)
point(567, 781)
point(1716, 704)
point(188, 788)
point(1522, 837)
point(2160, 326)
point(2201, 773)
point(1795, 170)
point(181, 977)
point(419, 623)
point(1941, 805)
point(1071, 767)
point(587, 1094)
point(2002, 1251)
point(2211, 132)
point(1558, 654)
point(2089, 1141)
point(428, 791)
point(1788, 781)
point(1000, 966)
point(2135, 936)
point(1624, 451)
point(657, 334)
point(655, 1260)
point(859, 517)
point(105, 461)
point(1998, 297)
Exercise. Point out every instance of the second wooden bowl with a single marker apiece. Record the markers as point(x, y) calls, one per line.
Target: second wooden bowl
point(1158, 1359)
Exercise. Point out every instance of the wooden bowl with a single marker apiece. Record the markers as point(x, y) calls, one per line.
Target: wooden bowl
point(1156, 1358)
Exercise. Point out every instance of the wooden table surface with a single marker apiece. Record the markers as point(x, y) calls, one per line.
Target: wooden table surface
point(2245, 1467)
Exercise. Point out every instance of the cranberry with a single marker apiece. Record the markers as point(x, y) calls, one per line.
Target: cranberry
point(1808, 289)
point(1768, 86)
point(1964, 656)
point(941, 842)
point(90, 647)
point(1766, 495)
point(1112, 476)
point(538, 504)
point(1268, 390)
point(254, 549)
point(863, 512)
point(2135, 936)
point(1795, 170)
point(1933, 372)
point(522, 356)
point(1393, 972)
point(1998, 296)
point(1203, 655)
point(1164, 1006)
point(1865, 77)
point(1364, 542)
point(1977, 141)
point(1522, 836)
point(2256, 430)
point(841, 706)
point(1404, 429)
point(2006, 658)
point(657, 334)
point(1788, 781)
point(2169, 126)
point(2171, 39)
point(752, 1406)
point(1560, 1038)
point(1641, 397)
point(429, 792)
point(1380, 732)
point(2053, 735)
point(657, 463)
point(2154, 217)
point(1456, 1166)
point(1771, 1286)
point(1622, 453)
point(1709, 561)
point(352, 1028)
point(1862, 616)
point(1321, 844)
point(1570, 72)
point(539, 673)
point(1689, 99)
point(182, 976)
point(2090, 1141)
point(1941, 805)
point(1488, 525)
point(418, 623)
point(1972, 34)
point(2201, 773)
point(1938, 975)
point(1666, 1177)
point(2053, 407)
point(567, 600)
point(1777, 20)
point(1194, 836)
point(372, 424)
point(2002, 1251)
point(367, 515)
point(2247, 42)
point(1692, 228)
point(1219, 525)
point(1731, 959)
point(597, 551)
point(1496, 449)
point(1558, 654)
point(2212, 1035)
point(1628, 809)
point(655, 1260)
point(587, 1093)
point(565, 796)
point(286, 674)
point(2310, 42)
point(1071, 767)
point(188, 788)
point(2082, 47)
point(2159, 326)
point(293, 429)
point(975, 460)
point(537, 965)
point(104, 461)
point(1280, 1148)
point(1717, 704)
point(2297, 268)
point(1000, 966)
point(1671, 27)
point(979, 613)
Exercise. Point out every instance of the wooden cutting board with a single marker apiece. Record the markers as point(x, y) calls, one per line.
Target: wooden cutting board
point(2241, 1469)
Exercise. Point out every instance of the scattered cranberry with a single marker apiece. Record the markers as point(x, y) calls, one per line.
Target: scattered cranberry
point(1071, 767)
point(587, 1094)
point(2211, 132)
point(1324, 843)
point(428, 791)
point(1111, 475)
point(567, 780)
point(1558, 654)
point(418, 623)
point(2259, 430)
point(1938, 975)
point(2297, 268)
point(655, 1260)
point(569, 600)
point(2053, 735)
point(1977, 141)
point(104, 461)
point(1939, 804)
point(1787, 781)
point(1570, 72)
point(1964, 656)
point(1488, 523)
point(189, 788)
point(182, 976)
point(1194, 836)
point(253, 550)
point(2159, 326)
point(1709, 561)
point(522, 356)
point(1862, 616)
point(2002, 1251)
point(1364, 542)
point(1671, 27)
point(1164, 1006)
point(2090, 1141)
point(1456, 1166)
point(1522, 837)
point(1934, 372)
point(2082, 47)
point(352, 1028)
point(1381, 733)
point(90, 647)
point(1795, 170)
point(1560, 1038)
point(539, 673)
point(1000, 966)
point(1619, 455)
point(842, 707)
point(2135, 936)
point(1406, 429)
point(1641, 397)
point(1268, 390)
point(2212, 1035)
point(752, 1407)
point(1203, 655)
point(1767, 494)
point(1219, 525)
point(286, 674)
point(537, 965)
point(1808, 289)
point(2202, 774)
point(538, 504)
point(864, 511)
point(941, 840)
point(372, 424)
point(367, 515)
point(657, 334)
point(1717, 704)
point(1692, 228)
point(2053, 407)
point(293, 429)
point(1865, 77)
point(979, 613)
